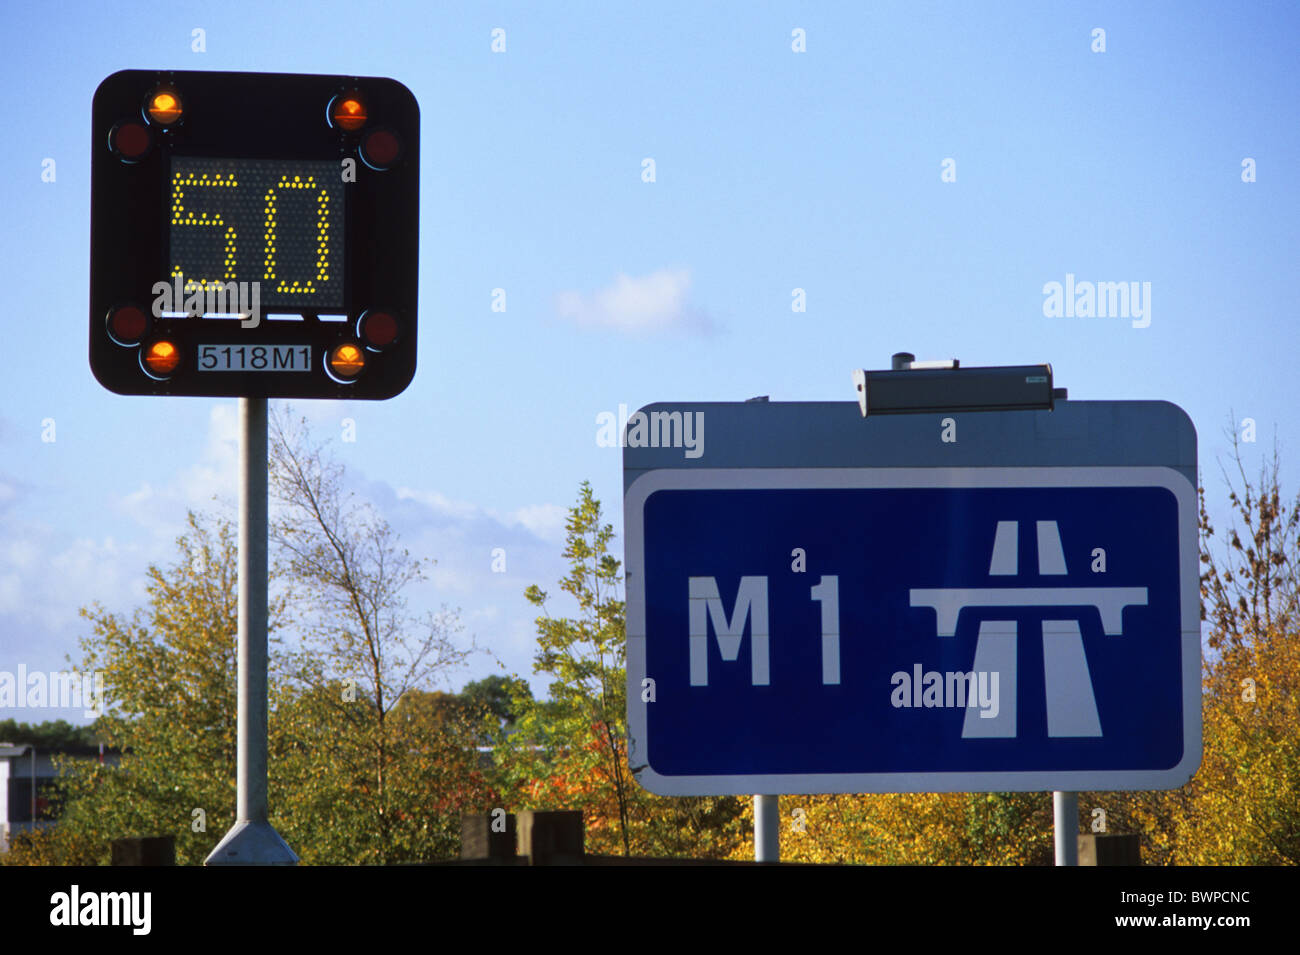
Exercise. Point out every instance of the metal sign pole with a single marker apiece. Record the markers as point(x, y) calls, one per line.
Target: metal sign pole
point(767, 828)
point(1065, 819)
point(252, 840)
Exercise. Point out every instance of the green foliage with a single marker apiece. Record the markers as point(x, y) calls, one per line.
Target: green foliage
point(579, 734)
point(1243, 806)
point(570, 751)
point(919, 829)
point(365, 766)
point(52, 734)
point(322, 762)
point(346, 562)
point(495, 695)
point(170, 691)
point(57, 845)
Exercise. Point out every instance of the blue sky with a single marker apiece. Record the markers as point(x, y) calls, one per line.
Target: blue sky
point(774, 170)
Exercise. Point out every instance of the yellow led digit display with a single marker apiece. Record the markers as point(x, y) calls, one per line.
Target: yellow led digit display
point(283, 286)
point(184, 184)
point(222, 207)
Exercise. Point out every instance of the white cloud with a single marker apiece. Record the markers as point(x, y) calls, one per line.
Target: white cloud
point(45, 576)
point(323, 417)
point(544, 521)
point(43, 587)
point(651, 303)
point(13, 593)
point(439, 503)
point(217, 471)
point(547, 521)
point(467, 541)
point(107, 571)
point(161, 510)
point(20, 553)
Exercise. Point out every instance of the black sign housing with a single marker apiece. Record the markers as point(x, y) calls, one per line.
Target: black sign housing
point(203, 184)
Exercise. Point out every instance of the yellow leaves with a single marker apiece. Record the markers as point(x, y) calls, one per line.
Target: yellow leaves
point(912, 829)
point(1244, 805)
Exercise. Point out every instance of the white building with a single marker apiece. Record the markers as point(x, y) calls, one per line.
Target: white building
point(18, 770)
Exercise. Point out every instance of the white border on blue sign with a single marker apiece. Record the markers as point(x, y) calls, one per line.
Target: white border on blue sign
point(661, 479)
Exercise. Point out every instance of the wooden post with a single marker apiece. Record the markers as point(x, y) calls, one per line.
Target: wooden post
point(144, 850)
point(488, 835)
point(1110, 849)
point(551, 837)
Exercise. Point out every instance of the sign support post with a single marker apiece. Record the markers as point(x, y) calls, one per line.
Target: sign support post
point(252, 840)
point(767, 828)
point(326, 303)
point(1065, 825)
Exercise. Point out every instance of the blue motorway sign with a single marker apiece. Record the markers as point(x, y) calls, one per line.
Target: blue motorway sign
point(905, 629)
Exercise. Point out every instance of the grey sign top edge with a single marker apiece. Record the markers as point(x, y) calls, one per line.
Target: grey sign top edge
point(834, 434)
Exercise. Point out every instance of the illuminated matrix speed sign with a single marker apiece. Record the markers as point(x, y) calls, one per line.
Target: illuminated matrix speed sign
point(254, 235)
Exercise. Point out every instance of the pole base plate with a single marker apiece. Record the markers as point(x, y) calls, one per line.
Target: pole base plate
point(252, 843)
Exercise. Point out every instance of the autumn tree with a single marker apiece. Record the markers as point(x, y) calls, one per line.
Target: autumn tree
point(581, 728)
point(51, 734)
point(915, 829)
point(321, 761)
point(495, 696)
point(1244, 806)
point(358, 633)
point(363, 768)
point(570, 751)
point(169, 687)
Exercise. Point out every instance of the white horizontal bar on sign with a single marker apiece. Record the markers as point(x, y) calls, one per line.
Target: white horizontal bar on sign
point(950, 601)
point(285, 317)
point(332, 318)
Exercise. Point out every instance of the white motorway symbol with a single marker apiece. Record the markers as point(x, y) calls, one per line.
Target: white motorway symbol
point(1071, 703)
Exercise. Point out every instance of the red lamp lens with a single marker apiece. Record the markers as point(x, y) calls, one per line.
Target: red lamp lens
point(378, 329)
point(381, 148)
point(127, 324)
point(130, 140)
